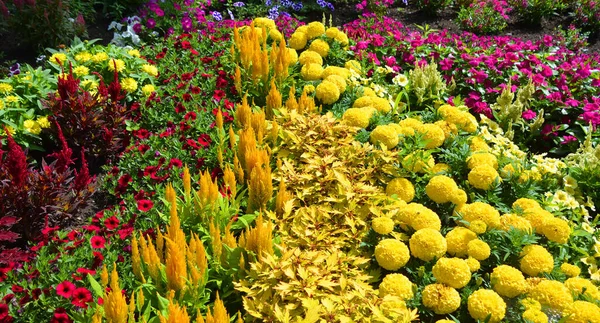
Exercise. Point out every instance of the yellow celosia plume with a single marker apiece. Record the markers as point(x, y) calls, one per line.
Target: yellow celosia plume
point(229, 179)
point(115, 306)
point(260, 188)
point(176, 269)
point(259, 238)
point(274, 100)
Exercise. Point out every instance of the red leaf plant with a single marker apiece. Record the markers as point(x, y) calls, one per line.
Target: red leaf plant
point(37, 198)
point(96, 121)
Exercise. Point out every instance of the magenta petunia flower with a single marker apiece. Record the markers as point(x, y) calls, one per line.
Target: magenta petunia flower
point(529, 114)
point(65, 289)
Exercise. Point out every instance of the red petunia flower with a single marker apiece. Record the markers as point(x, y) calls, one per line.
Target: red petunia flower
point(144, 205)
point(176, 162)
point(111, 223)
point(60, 316)
point(97, 242)
point(81, 296)
point(65, 289)
point(3, 311)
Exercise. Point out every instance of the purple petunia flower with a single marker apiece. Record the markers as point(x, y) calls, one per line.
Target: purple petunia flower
point(217, 16)
point(239, 4)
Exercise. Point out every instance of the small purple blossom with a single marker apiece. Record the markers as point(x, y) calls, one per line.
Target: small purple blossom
point(186, 24)
point(217, 16)
point(239, 4)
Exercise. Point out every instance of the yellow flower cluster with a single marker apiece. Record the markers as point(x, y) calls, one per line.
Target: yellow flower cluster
point(454, 272)
point(391, 254)
point(427, 244)
point(358, 117)
point(483, 303)
point(401, 187)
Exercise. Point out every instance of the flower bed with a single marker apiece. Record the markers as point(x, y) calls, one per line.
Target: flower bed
point(277, 176)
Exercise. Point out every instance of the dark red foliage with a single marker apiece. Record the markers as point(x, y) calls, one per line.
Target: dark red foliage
point(94, 121)
point(36, 200)
point(16, 163)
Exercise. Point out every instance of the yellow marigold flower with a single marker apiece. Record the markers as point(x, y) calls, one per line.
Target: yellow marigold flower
point(420, 217)
point(582, 286)
point(537, 217)
point(5, 88)
point(83, 57)
point(320, 46)
point(401, 187)
point(458, 239)
point(440, 298)
point(582, 312)
point(507, 281)
point(414, 162)
point(478, 249)
point(327, 92)
point(339, 81)
point(482, 158)
point(484, 302)
point(535, 316)
point(150, 70)
point(459, 197)
point(427, 244)
point(310, 57)
point(315, 29)
point(81, 70)
point(367, 91)
point(481, 211)
point(363, 101)
point(478, 226)
point(557, 230)
point(293, 55)
point(385, 135)
point(134, 52)
point(354, 65)
point(531, 304)
point(482, 177)
point(58, 58)
point(449, 129)
point(275, 35)
point(391, 254)
point(444, 321)
point(332, 32)
point(381, 104)
point(336, 70)
point(535, 260)
point(148, 89)
point(302, 29)
point(441, 189)
point(119, 63)
point(99, 57)
point(433, 134)
point(570, 270)
point(474, 264)
point(411, 123)
point(129, 84)
point(478, 144)
point(298, 40)
point(264, 22)
point(357, 117)
point(382, 225)
point(392, 304)
point(342, 38)
point(43, 122)
point(396, 285)
point(311, 72)
point(454, 272)
point(440, 168)
point(518, 222)
point(552, 293)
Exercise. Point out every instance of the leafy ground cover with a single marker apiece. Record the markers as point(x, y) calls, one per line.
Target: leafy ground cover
point(278, 171)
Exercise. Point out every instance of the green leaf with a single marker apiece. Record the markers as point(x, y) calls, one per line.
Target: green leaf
point(96, 287)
